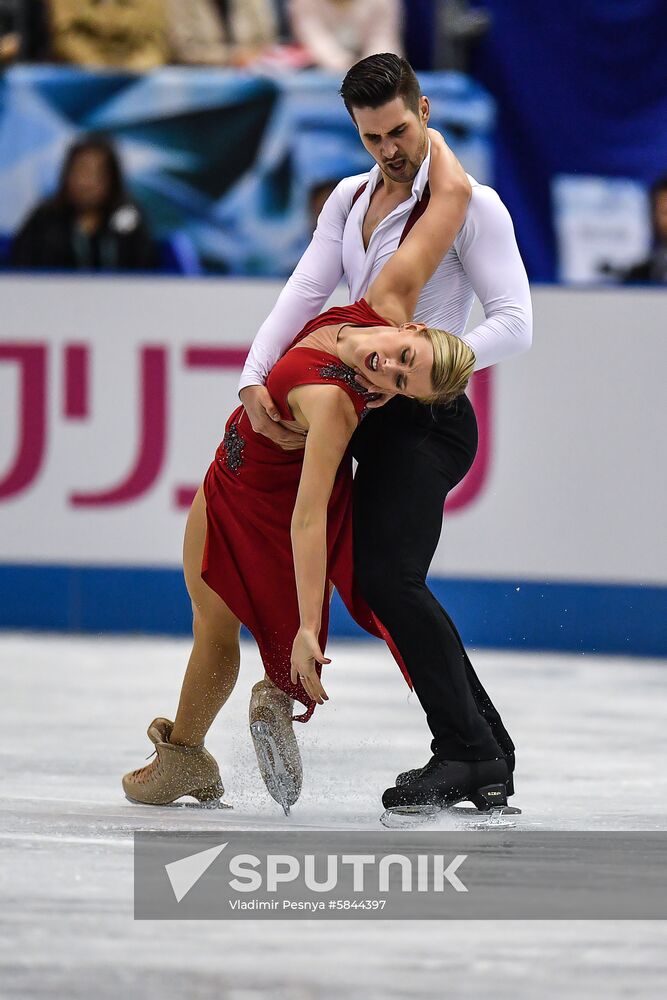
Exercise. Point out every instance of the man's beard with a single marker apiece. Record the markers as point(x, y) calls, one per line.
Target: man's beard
point(411, 169)
point(404, 176)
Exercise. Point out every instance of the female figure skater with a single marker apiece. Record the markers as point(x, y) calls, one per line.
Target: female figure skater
point(269, 528)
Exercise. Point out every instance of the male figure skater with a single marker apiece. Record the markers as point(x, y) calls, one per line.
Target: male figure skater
point(410, 456)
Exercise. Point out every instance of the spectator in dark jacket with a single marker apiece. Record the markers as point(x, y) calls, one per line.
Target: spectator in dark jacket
point(653, 270)
point(90, 224)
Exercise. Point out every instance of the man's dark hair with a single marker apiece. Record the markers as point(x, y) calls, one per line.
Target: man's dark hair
point(378, 79)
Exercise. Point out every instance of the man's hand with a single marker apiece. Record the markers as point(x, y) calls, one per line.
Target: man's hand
point(265, 419)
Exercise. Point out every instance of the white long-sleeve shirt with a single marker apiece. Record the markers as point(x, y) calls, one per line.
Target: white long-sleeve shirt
point(483, 261)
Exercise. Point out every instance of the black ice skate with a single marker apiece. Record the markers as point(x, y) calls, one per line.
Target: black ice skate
point(441, 785)
point(405, 777)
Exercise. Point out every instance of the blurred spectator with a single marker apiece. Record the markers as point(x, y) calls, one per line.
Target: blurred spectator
point(23, 31)
point(282, 15)
point(10, 37)
point(114, 33)
point(221, 32)
point(10, 45)
point(317, 196)
point(458, 27)
point(653, 270)
point(90, 223)
point(144, 34)
point(337, 33)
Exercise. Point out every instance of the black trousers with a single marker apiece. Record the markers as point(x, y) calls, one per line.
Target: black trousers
point(410, 456)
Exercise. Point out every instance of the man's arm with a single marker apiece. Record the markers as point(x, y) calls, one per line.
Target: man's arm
point(314, 279)
point(490, 257)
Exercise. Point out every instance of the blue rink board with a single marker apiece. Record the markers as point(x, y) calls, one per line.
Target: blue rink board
point(498, 614)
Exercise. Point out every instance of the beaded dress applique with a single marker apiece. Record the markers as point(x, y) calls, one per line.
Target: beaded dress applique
point(233, 445)
point(342, 373)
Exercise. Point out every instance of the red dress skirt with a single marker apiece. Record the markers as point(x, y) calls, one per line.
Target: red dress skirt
point(251, 488)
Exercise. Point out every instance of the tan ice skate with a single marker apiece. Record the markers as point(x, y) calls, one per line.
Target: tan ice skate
point(176, 771)
point(275, 743)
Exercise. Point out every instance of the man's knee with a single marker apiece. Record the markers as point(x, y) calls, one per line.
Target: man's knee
point(388, 587)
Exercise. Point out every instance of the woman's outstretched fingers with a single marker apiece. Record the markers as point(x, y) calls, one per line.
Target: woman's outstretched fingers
point(306, 653)
point(311, 683)
point(313, 686)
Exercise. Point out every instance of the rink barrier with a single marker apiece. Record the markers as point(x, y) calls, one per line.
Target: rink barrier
point(499, 614)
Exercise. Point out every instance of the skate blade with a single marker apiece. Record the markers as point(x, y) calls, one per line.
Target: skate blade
point(280, 784)
point(181, 804)
point(497, 818)
point(408, 817)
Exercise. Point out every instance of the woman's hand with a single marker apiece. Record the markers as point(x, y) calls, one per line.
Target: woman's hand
point(306, 653)
point(446, 175)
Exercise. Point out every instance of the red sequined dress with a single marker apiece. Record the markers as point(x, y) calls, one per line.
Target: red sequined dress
point(251, 488)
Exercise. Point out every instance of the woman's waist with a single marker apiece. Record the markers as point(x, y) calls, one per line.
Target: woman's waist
point(241, 446)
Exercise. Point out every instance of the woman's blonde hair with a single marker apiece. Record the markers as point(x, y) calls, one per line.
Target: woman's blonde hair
point(453, 363)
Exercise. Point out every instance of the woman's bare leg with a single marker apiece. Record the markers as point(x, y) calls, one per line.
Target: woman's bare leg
point(213, 666)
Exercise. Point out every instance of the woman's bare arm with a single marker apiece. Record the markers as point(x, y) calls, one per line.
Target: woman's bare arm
point(395, 291)
point(331, 418)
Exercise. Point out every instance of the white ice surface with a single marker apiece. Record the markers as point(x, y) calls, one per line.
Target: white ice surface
point(591, 741)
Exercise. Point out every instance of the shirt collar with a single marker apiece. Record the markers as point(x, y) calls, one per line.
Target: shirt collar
point(421, 180)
